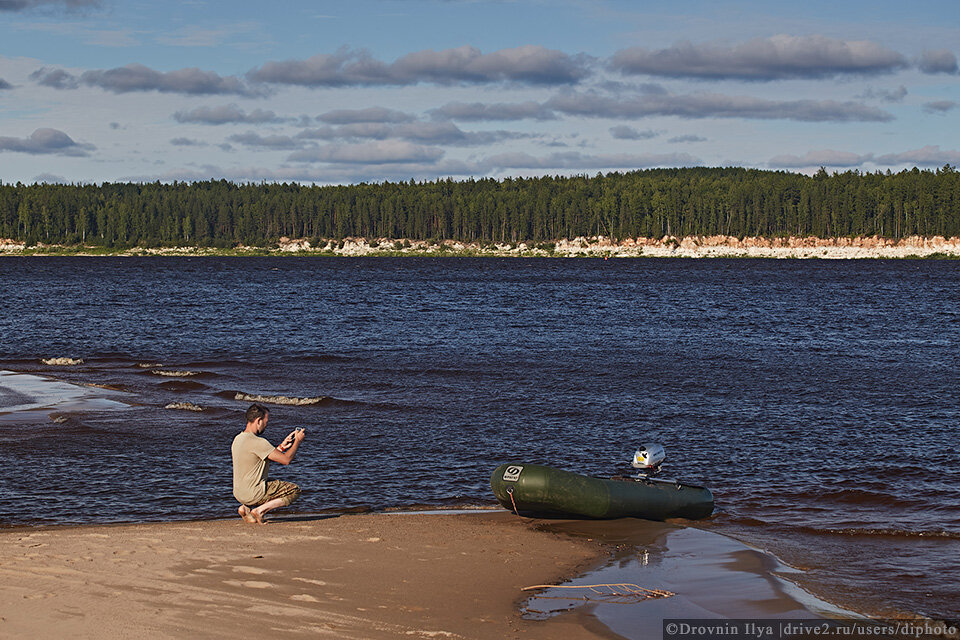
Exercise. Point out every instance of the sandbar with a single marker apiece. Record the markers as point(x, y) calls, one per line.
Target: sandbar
point(351, 576)
point(372, 575)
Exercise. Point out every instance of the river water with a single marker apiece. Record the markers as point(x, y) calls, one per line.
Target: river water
point(817, 399)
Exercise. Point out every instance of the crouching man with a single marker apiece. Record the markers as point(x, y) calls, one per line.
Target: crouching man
point(252, 456)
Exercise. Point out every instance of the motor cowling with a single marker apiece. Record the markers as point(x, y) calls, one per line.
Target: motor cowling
point(648, 457)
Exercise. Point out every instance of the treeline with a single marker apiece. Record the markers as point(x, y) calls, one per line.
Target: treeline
point(652, 203)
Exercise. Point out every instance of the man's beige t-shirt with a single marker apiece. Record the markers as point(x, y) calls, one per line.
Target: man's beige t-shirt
point(250, 467)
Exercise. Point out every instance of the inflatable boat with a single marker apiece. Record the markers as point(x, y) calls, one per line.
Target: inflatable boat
point(532, 489)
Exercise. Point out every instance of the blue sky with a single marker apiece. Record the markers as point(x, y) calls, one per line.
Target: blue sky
point(371, 90)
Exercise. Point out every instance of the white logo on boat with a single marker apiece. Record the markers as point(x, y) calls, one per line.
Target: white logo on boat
point(512, 473)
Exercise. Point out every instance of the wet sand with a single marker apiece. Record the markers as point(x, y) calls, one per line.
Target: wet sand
point(26, 397)
point(357, 576)
point(712, 576)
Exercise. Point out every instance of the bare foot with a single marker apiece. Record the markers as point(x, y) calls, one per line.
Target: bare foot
point(247, 515)
point(258, 517)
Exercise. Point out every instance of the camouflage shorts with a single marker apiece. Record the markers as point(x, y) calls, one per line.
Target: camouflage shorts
point(286, 491)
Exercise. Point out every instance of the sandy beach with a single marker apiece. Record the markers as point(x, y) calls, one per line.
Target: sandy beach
point(415, 575)
point(358, 576)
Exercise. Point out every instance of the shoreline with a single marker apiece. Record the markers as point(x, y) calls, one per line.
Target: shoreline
point(24, 385)
point(869, 247)
point(350, 576)
point(372, 575)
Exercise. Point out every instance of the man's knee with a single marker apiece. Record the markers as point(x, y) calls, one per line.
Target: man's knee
point(290, 494)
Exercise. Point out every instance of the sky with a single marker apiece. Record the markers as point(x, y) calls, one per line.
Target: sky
point(96, 91)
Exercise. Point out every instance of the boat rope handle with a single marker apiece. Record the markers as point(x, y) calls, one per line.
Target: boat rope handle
point(512, 501)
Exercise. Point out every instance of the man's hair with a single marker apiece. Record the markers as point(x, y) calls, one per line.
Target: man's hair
point(255, 412)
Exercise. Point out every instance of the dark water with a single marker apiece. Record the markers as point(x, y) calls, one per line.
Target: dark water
point(817, 399)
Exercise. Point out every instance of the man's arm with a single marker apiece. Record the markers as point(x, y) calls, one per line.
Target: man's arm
point(286, 457)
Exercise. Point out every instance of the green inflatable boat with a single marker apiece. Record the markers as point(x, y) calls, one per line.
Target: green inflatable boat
point(535, 489)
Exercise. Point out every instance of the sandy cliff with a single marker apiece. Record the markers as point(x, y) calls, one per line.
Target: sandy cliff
point(597, 246)
point(668, 246)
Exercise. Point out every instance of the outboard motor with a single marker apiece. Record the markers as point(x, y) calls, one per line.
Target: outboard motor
point(648, 458)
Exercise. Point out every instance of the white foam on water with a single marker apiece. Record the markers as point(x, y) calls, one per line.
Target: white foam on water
point(184, 406)
point(62, 362)
point(297, 402)
point(174, 374)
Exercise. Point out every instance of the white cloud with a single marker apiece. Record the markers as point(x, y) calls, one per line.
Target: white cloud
point(929, 156)
point(575, 160)
point(190, 81)
point(380, 152)
point(530, 64)
point(226, 114)
point(445, 133)
point(712, 105)
point(55, 78)
point(187, 142)
point(775, 58)
point(479, 112)
point(45, 141)
point(23, 5)
point(940, 106)
point(884, 95)
point(623, 132)
point(273, 142)
point(819, 158)
point(370, 114)
point(49, 178)
point(941, 61)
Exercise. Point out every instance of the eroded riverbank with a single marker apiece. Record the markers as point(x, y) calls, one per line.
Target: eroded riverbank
point(791, 247)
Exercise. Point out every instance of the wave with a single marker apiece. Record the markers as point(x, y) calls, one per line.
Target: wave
point(854, 496)
point(62, 362)
point(184, 406)
point(882, 532)
point(108, 387)
point(182, 385)
point(61, 424)
point(327, 357)
point(868, 532)
point(746, 521)
point(225, 361)
point(173, 373)
point(228, 361)
point(285, 400)
point(149, 365)
point(13, 363)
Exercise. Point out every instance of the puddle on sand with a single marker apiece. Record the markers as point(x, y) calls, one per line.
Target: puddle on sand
point(709, 576)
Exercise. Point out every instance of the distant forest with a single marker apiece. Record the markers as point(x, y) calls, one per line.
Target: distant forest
point(651, 203)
